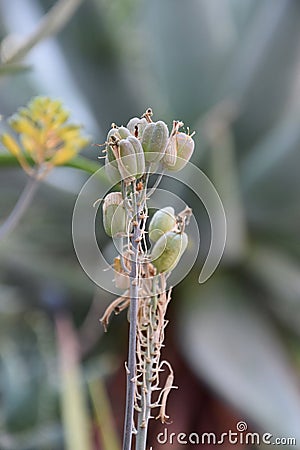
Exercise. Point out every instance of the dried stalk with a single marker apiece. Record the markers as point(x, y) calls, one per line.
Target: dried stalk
point(148, 299)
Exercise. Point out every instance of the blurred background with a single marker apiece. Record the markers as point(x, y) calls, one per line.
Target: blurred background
point(230, 69)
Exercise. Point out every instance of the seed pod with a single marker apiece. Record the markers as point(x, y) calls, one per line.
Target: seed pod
point(123, 132)
point(170, 155)
point(184, 150)
point(131, 159)
point(112, 171)
point(162, 221)
point(117, 133)
point(154, 141)
point(114, 214)
point(136, 126)
point(168, 250)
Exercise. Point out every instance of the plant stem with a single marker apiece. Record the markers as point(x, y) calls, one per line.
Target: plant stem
point(50, 24)
point(133, 309)
point(144, 414)
point(78, 162)
point(19, 209)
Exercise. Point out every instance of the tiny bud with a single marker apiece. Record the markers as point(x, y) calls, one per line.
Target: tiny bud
point(168, 250)
point(162, 221)
point(154, 141)
point(114, 214)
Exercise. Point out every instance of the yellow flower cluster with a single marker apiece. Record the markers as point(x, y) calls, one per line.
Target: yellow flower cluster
point(46, 139)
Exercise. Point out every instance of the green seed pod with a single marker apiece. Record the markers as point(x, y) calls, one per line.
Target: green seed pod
point(123, 132)
point(184, 148)
point(162, 221)
point(136, 126)
point(140, 157)
point(154, 141)
point(168, 250)
point(112, 171)
point(133, 163)
point(114, 215)
point(118, 133)
point(170, 155)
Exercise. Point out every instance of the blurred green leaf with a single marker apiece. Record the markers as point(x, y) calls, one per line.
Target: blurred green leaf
point(105, 420)
point(74, 409)
point(280, 277)
point(79, 162)
point(13, 69)
point(226, 339)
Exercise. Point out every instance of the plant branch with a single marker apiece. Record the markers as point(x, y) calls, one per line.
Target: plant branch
point(21, 206)
point(51, 23)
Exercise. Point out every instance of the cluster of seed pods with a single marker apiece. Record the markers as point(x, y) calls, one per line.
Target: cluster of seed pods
point(133, 151)
point(142, 145)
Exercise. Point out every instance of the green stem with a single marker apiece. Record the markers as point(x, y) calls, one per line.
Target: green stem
point(79, 162)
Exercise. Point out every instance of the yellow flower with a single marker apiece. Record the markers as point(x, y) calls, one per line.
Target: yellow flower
point(46, 139)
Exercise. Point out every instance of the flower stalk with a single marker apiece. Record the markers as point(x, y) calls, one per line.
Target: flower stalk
point(20, 208)
point(133, 310)
point(134, 154)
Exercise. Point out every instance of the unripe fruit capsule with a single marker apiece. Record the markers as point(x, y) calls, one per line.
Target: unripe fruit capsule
point(114, 215)
point(131, 160)
point(184, 148)
point(112, 171)
point(162, 221)
point(154, 141)
point(136, 126)
point(118, 133)
point(168, 250)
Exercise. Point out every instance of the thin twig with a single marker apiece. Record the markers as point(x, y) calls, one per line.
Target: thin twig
point(50, 24)
point(155, 186)
point(21, 206)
